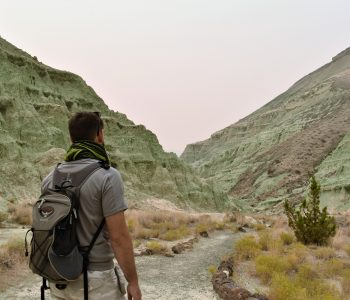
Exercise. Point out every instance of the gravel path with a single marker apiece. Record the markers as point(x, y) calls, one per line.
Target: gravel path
point(184, 276)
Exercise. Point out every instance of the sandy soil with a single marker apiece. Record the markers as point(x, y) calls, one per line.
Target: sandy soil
point(11, 231)
point(184, 276)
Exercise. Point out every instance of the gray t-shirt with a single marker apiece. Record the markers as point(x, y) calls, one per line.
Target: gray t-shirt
point(101, 195)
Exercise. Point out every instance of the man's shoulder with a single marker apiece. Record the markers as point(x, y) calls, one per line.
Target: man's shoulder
point(101, 174)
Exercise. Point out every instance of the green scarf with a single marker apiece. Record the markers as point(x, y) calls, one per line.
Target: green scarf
point(87, 149)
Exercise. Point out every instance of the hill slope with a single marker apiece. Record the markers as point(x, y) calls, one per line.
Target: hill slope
point(36, 102)
point(268, 156)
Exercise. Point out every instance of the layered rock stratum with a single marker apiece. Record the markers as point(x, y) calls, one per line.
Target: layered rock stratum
point(36, 102)
point(268, 156)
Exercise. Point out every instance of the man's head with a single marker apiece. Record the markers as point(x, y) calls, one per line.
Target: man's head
point(86, 126)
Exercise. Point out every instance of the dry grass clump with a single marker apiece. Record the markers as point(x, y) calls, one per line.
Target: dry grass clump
point(247, 248)
point(21, 213)
point(156, 247)
point(345, 282)
point(287, 238)
point(11, 253)
point(265, 238)
point(3, 216)
point(267, 265)
point(282, 287)
point(259, 227)
point(158, 224)
point(175, 234)
point(212, 269)
point(269, 241)
point(324, 253)
point(208, 223)
point(136, 243)
point(280, 224)
point(289, 288)
point(299, 250)
point(219, 225)
point(170, 225)
point(341, 239)
point(347, 249)
point(308, 271)
point(332, 267)
point(293, 271)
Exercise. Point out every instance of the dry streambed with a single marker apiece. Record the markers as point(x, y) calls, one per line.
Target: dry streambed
point(184, 276)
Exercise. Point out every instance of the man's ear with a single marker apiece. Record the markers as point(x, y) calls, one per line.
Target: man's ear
point(100, 137)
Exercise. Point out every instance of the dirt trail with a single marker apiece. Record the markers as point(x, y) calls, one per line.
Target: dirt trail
point(184, 276)
point(12, 231)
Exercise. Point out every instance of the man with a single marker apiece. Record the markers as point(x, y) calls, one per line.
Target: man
point(101, 196)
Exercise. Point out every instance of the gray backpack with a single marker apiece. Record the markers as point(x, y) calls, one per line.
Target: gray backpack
point(55, 253)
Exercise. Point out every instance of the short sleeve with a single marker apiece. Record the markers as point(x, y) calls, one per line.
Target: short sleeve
point(113, 194)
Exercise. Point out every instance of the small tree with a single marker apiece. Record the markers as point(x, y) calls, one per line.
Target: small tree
point(311, 225)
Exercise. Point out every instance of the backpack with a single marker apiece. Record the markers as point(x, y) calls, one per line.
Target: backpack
point(55, 253)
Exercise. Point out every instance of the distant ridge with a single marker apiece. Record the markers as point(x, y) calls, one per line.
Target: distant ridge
point(268, 156)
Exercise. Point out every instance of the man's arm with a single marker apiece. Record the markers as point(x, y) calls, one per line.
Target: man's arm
point(123, 251)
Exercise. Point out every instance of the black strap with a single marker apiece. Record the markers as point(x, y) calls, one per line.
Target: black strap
point(99, 229)
point(86, 285)
point(43, 288)
point(86, 259)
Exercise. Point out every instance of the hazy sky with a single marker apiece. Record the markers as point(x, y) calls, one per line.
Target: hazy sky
point(183, 68)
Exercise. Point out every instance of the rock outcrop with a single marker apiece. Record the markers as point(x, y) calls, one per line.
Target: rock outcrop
point(36, 102)
point(268, 156)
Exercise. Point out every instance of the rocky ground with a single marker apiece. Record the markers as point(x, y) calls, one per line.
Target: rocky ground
point(184, 276)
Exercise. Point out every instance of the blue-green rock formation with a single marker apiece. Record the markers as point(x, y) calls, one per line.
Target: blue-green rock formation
point(36, 102)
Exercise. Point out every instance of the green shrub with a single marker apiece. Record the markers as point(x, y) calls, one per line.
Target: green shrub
point(311, 225)
point(247, 248)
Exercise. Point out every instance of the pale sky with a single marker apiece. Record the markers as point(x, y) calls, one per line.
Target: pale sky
point(183, 68)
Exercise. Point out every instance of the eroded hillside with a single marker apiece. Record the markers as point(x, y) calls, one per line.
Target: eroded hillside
point(36, 102)
point(268, 156)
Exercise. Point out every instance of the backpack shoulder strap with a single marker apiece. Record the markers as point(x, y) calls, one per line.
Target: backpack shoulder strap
point(76, 180)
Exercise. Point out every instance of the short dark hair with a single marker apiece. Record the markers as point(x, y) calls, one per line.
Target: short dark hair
point(85, 126)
